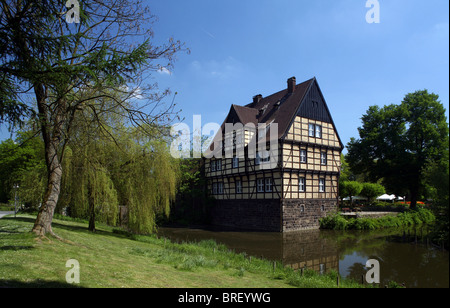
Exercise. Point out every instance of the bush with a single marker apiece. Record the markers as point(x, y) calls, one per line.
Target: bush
point(406, 219)
point(426, 216)
point(334, 221)
point(372, 190)
point(6, 207)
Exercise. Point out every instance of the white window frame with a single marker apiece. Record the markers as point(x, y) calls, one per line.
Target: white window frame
point(322, 185)
point(219, 165)
point(323, 158)
point(238, 186)
point(220, 188)
point(311, 130)
point(214, 188)
point(303, 156)
point(260, 185)
point(268, 184)
point(235, 162)
point(301, 184)
point(315, 131)
point(318, 131)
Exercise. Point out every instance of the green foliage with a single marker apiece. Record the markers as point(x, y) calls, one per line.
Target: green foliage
point(372, 190)
point(72, 70)
point(21, 162)
point(136, 172)
point(350, 188)
point(346, 174)
point(192, 203)
point(438, 180)
point(334, 222)
point(409, 218)
point(397, 142)
point(148, 186)
point(87, 182)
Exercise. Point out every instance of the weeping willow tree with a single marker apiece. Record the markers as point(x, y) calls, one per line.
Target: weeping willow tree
point(146, 179)
point(138, 174)
point(88, 190)
point(114, 165)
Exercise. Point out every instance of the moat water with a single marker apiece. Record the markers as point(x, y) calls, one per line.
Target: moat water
point(406, 257)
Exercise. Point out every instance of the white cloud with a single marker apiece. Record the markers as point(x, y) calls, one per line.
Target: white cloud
point(222, 69)
point(134, 93)
point(164, 71)
point(137, 93)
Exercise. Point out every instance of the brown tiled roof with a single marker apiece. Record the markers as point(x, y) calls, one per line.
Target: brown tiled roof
point(246, 114)
point(280, 108)
point(266, 110)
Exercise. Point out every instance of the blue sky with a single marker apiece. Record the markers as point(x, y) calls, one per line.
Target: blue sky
point(248, 47)
point(243, 48)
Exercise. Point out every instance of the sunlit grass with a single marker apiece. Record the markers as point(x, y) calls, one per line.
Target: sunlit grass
point(112, 258)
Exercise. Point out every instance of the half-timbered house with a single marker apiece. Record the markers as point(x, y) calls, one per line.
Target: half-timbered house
point(296, 182)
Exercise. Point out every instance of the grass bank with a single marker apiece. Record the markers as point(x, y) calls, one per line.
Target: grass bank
point(111, 258)
point(406, 219)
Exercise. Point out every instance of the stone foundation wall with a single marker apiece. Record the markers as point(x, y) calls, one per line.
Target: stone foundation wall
point(304, 214)
point(272, 215)
point(264, 215)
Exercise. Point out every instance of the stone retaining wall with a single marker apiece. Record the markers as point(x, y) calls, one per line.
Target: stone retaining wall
point(304, 214)
point(272, 214)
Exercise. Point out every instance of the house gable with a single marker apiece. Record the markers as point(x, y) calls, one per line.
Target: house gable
point(313, 107)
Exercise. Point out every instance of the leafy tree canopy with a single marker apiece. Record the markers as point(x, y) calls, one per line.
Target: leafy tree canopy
point(398, 142)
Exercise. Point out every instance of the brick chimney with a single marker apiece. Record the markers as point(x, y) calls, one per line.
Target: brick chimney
point(291, 84)
point(257, 99)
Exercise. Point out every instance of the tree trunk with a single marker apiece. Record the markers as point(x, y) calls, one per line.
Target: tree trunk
point(91, 203)
point(414, 191)
point(413, 204)
point(52, 136)
point(43, 223)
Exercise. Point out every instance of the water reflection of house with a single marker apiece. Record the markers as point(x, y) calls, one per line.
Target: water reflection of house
point(310, 249)
point(295, 249)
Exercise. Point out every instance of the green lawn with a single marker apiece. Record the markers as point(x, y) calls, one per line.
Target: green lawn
point(113, 259)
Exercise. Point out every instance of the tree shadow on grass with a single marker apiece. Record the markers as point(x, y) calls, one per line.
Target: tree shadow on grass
point(68, 227)
point(36, 284)
point(63, 226)
point(21, 219)
point(15, 248)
